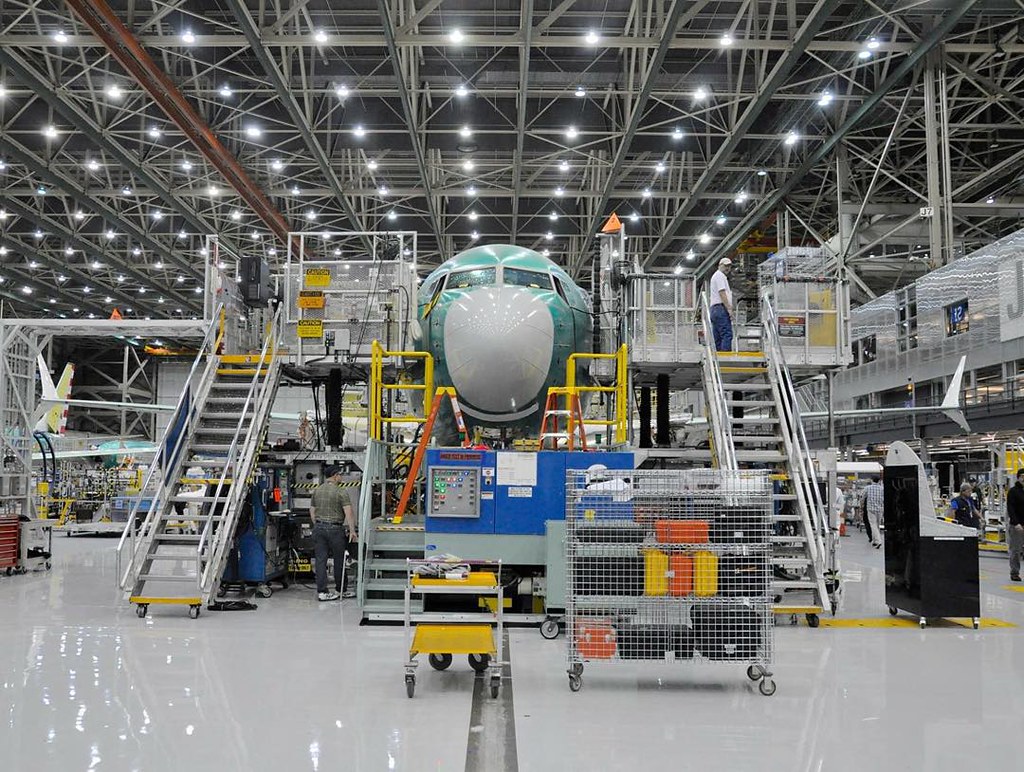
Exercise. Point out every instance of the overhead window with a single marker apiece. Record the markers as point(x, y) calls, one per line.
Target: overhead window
point(476, 277)
point(521, 278)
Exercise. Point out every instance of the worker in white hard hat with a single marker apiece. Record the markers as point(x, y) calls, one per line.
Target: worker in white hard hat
point(720, 296)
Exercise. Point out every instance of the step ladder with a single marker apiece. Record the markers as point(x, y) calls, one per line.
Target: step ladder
point(755, 424)
point(207, 456)
point(574, 432)
point(385, 573)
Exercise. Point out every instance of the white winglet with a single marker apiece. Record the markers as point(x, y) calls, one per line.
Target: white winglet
point(950, 406)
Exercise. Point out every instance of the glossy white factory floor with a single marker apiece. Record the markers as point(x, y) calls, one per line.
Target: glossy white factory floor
point(299, 685)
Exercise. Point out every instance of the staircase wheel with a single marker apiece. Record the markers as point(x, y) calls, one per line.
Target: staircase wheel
point(141, 609)
point(193, 611)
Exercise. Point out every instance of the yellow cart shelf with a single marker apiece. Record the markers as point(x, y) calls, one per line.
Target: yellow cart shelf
point(480, 637)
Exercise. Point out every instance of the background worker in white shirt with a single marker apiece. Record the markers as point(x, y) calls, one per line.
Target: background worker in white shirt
point(720, 297)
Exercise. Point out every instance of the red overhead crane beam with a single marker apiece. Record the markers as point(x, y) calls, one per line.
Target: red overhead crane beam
point(126, 49)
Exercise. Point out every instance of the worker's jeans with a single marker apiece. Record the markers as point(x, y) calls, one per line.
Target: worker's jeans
point(329, 539)
point(876, 532)
point(1015, 539)
point(721, 327)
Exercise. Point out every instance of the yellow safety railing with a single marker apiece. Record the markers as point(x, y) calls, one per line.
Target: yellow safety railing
point(378, 354)
point(618, 390)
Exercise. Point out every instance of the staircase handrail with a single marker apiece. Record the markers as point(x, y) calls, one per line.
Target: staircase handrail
point(257, 390)
point(715, 393)
point(374, 472)
point(793, 433)
point(135, 536)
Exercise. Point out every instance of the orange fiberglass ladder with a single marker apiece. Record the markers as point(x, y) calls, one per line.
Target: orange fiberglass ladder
point(575, 429)
point(421, 448)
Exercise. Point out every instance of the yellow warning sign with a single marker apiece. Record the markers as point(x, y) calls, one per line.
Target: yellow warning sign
point(614, 224)
point(311, 299)
point(311, 328)
point(318, 277)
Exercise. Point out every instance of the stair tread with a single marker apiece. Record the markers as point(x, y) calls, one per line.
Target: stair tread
point(746, 386)
point(387, 564)
point(166, 578)
point(759, 455)
point(177, 538)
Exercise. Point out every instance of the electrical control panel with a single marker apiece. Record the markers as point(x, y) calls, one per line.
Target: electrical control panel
point(454, 491)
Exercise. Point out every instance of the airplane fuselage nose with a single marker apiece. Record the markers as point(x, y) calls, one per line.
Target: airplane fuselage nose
point(498, 344)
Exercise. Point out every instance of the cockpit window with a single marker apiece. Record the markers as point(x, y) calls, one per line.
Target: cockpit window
point(473, 278)
point(520, 278)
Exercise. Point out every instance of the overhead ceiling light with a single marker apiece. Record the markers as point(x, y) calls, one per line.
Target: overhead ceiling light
point(108, 299)
point(255, 235)
point(580, 91)
point(136, 251)
point(272, 251)
point(990, 200)
point(546, 252)
point(456, 36)
point(186, 166)
point(158, 215)
point(563, 166)
point(646, 193)
point(236, 215)
point(472, 216)
point(3, 164)
point(462, 91)
point(42, 190)
point(79, 215)
point(321, 36)
point(337, 252)
point(142, 290)
point(677, 133)
point(392, 215)
point(53, 302)
point(120, 279)
point(571, 132)
point(359, 131)
point(3, 250)
point(295, 190)
point(50, 132)
point(468, 165)
point(700, 94)
point(553, 216)
point(677, 270)
point(198, 290)
point(471, 191)
point(225, 91)
point(371, 165)
point(96, 265)
point(474, 235)
point(592, 38)
point(276, 165)
point(188, 37)
point(213, 191)
point(634, 217)
point(726, 40)
point(705, 238)
point(825, 99)
point(762, 173)
point(3, 215)
point(311, 215)
point(253, 132)
point(92, 165)
point(60, 37)
point(86, 290)
point(69, 251)
point(158, 265)
point(33, 265)
point(465, 132)
point(659, 167)
point(383, 191)
point(341, 90)
point(154, 132)
point(791, 138)
point(721, 220)
point(559, 192)
point(114, 92)
point(863, 54)
point(27, 290)
point(741, 197)
point(873, 43)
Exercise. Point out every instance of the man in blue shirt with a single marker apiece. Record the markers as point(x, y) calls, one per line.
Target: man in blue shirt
point(962, 508)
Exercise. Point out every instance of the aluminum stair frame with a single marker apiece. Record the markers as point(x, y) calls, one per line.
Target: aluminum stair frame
point(721, 428)
point(801, 469)
point(261, 394)
point(375, 468)
point(140, 540)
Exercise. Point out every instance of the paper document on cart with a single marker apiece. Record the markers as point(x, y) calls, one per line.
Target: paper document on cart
point(517, 469)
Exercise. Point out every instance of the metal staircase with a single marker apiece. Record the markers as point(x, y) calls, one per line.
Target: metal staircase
point(755, 423)
point(218, 425)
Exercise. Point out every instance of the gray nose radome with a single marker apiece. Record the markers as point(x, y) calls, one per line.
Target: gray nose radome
point(498, 343)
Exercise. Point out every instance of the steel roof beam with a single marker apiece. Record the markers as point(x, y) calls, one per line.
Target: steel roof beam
point(772, 201)
point(813, 23)
point(130, 54)
point(523, 97)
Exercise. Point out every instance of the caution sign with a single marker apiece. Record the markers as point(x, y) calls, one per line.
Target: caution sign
point(311, 299)
point(613, 225)
point(318, 277)
point(792, 326)
point(311, 328)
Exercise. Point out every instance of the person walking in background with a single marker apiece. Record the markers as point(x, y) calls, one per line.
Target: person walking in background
point(1015, 526)
point(330, 511)
point(874, 508)
point(720, 298)
point(962, 508)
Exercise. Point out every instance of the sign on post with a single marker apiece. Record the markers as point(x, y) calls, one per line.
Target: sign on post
point(311, 328)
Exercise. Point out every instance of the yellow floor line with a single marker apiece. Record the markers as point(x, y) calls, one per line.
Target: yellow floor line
point(886, 622)
point(1013, 587)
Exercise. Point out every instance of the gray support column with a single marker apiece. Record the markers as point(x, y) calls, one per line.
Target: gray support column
point(933, 154)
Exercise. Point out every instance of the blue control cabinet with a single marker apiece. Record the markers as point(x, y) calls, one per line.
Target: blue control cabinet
point(505, 493)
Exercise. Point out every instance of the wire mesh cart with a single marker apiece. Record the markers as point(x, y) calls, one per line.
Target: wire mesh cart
point(477, 635)
point(669, 565)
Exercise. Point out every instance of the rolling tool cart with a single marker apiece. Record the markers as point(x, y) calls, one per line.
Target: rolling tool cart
point(678, 569)
point(35, 546)
point(9, 534)
point(455, 633)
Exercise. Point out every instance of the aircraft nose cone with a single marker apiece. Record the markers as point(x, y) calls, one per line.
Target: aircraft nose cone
point(498, 345)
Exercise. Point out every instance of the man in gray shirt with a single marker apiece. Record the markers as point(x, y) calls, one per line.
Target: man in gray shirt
point(331, 511)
